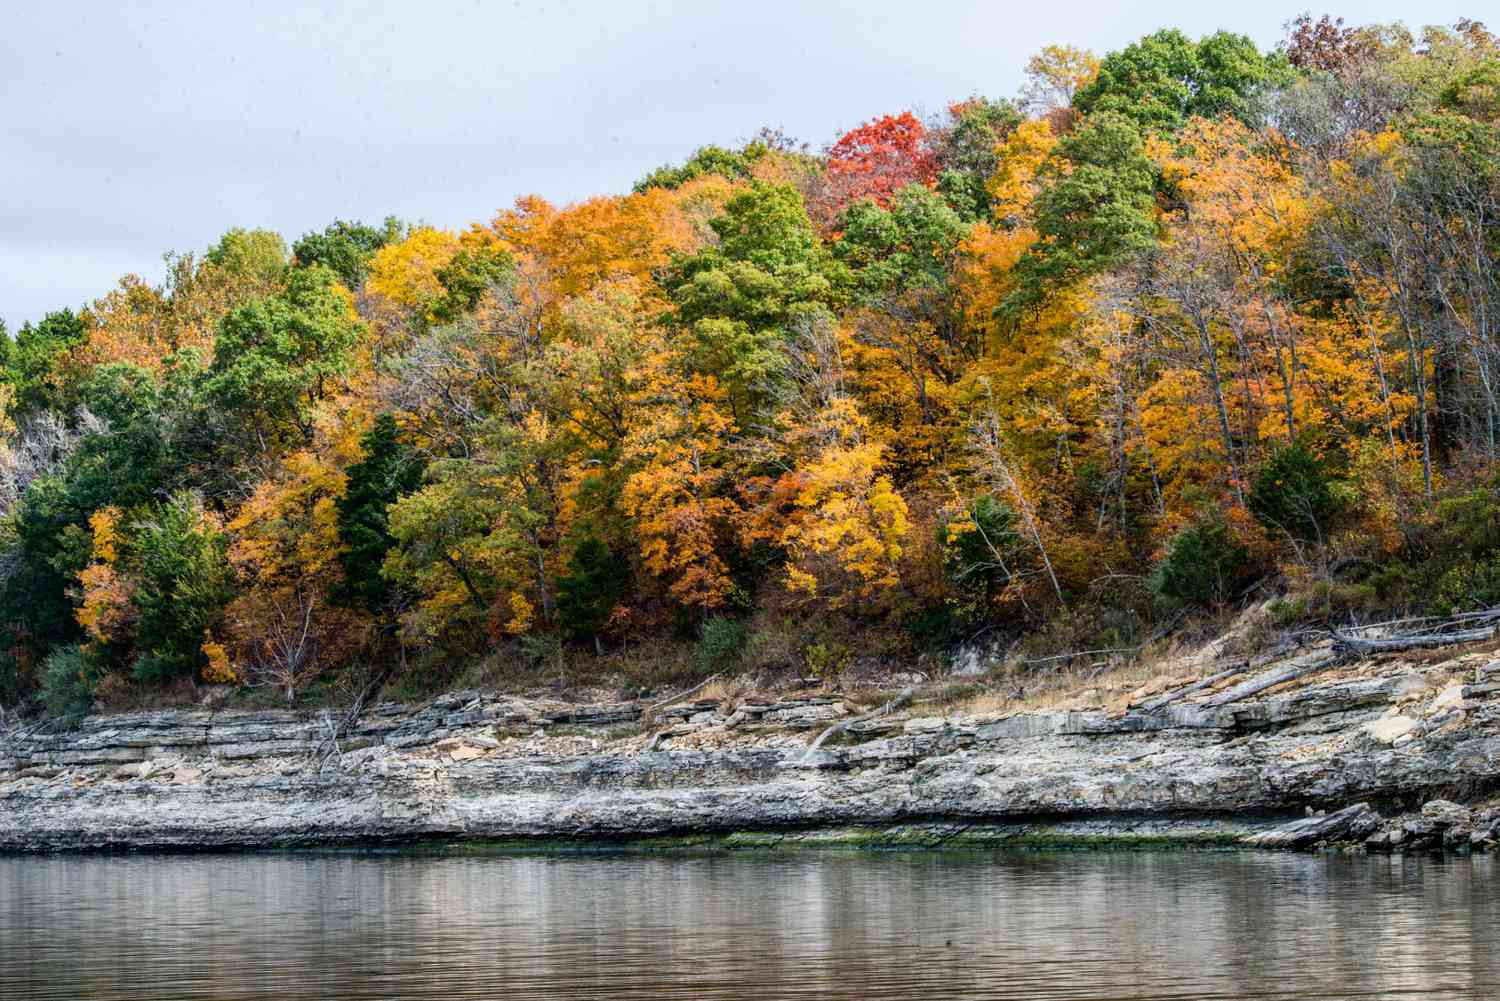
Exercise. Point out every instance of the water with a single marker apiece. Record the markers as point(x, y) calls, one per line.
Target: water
point(923, 926)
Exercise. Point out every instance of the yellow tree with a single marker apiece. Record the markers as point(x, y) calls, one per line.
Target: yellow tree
point(679, 496)
point(285, 625)
point(144, 325)
point(104, 608)
point(844, 538)
point(1053, 76)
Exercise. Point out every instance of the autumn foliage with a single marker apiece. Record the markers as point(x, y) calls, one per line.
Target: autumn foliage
point(1175, 326)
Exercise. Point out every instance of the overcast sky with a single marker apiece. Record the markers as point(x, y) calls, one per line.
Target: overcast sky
point(135, 128)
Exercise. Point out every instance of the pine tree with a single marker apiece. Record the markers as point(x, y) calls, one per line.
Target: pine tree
point(389, 470)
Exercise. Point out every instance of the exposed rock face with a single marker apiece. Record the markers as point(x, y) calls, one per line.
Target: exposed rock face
point(484, 767)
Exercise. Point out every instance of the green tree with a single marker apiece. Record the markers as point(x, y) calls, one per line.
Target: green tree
point(1164, 78)
point(345, 248)
point(1096, 211)
point(276, 357)
point(47, 540)
point(908, 247)
point(185, 582)
point(1202, 564)
point(471, 542)
point(466, 277)
point(737, 300)
point(966, 154)
point(982, 553)
point(36, 613)
point(592, 583)
point(35, 359)
point(257, 254)
point(1293, 493)
point(388, 470)
point(1476, 93)
point(69, 676)
point(734, 164)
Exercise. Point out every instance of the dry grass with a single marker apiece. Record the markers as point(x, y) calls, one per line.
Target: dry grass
point(1080, 687)
point(985, 704)
point(726, 691)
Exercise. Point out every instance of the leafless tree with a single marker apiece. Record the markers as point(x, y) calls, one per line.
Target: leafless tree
point(993, 467)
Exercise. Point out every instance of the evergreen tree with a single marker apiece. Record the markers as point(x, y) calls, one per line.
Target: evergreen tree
point(388, 471)
point(595, 580)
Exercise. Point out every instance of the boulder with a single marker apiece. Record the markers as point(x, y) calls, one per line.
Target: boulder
point(1353, 823)
point(1445, 813)
point(1387, 729)
point(1386, 839)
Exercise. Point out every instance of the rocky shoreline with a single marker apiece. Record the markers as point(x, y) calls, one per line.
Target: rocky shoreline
point(1387, 754)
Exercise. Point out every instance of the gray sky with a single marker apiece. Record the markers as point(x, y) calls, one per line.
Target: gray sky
point(135, 128)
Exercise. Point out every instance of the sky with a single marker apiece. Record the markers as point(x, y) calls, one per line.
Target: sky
point(132, 129)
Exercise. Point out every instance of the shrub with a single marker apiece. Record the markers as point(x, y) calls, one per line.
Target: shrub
point(1469, 522)
point(721, 644)
point(826, 659)
point(1293, 493)
point(69, 676)
point(1470, 586)
point(1201, 565)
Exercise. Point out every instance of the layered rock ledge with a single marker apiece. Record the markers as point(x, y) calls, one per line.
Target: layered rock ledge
point(1333, 753)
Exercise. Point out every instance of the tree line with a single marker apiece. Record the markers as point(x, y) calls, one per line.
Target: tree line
point(1173, 326)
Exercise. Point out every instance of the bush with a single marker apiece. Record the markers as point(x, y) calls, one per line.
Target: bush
point(1293, 493)
point(69, 676)
point(1469, 523)
point(1470, 586)
point(826, 659)
point(1202, 564)
point(721, 644)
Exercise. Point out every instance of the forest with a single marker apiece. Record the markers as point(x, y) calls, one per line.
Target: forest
point(1179, 327)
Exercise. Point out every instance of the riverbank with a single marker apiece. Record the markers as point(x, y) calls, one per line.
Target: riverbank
point(1392, 753)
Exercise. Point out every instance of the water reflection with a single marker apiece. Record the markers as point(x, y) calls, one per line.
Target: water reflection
point(1033, 926)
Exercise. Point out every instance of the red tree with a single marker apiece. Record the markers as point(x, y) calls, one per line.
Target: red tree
point(874, 161)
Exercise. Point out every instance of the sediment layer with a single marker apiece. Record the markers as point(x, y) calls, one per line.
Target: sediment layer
point(1359, 747)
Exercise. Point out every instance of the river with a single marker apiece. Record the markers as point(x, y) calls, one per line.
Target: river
point(1035, 926)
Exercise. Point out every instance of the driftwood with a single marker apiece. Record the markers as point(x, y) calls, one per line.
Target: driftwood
point(1416, 633)
point(651, 711)
point(1385, 644)
point(1076, 654)
point(1151, 705)
point(328, 746)
point(1161, 631)
point(907, 694)
point(1261, 682)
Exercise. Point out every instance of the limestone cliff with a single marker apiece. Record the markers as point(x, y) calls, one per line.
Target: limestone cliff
point(1226, 756)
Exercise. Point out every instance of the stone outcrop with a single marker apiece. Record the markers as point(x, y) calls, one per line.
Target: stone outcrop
point(478, 766)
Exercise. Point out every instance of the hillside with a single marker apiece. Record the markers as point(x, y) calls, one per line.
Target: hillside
point(1179, 330)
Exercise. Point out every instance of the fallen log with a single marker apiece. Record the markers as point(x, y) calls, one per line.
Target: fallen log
point(1151, 705)
point(900, 700)
point(651, 711)
point(1261, 682)
point(1385, 644)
